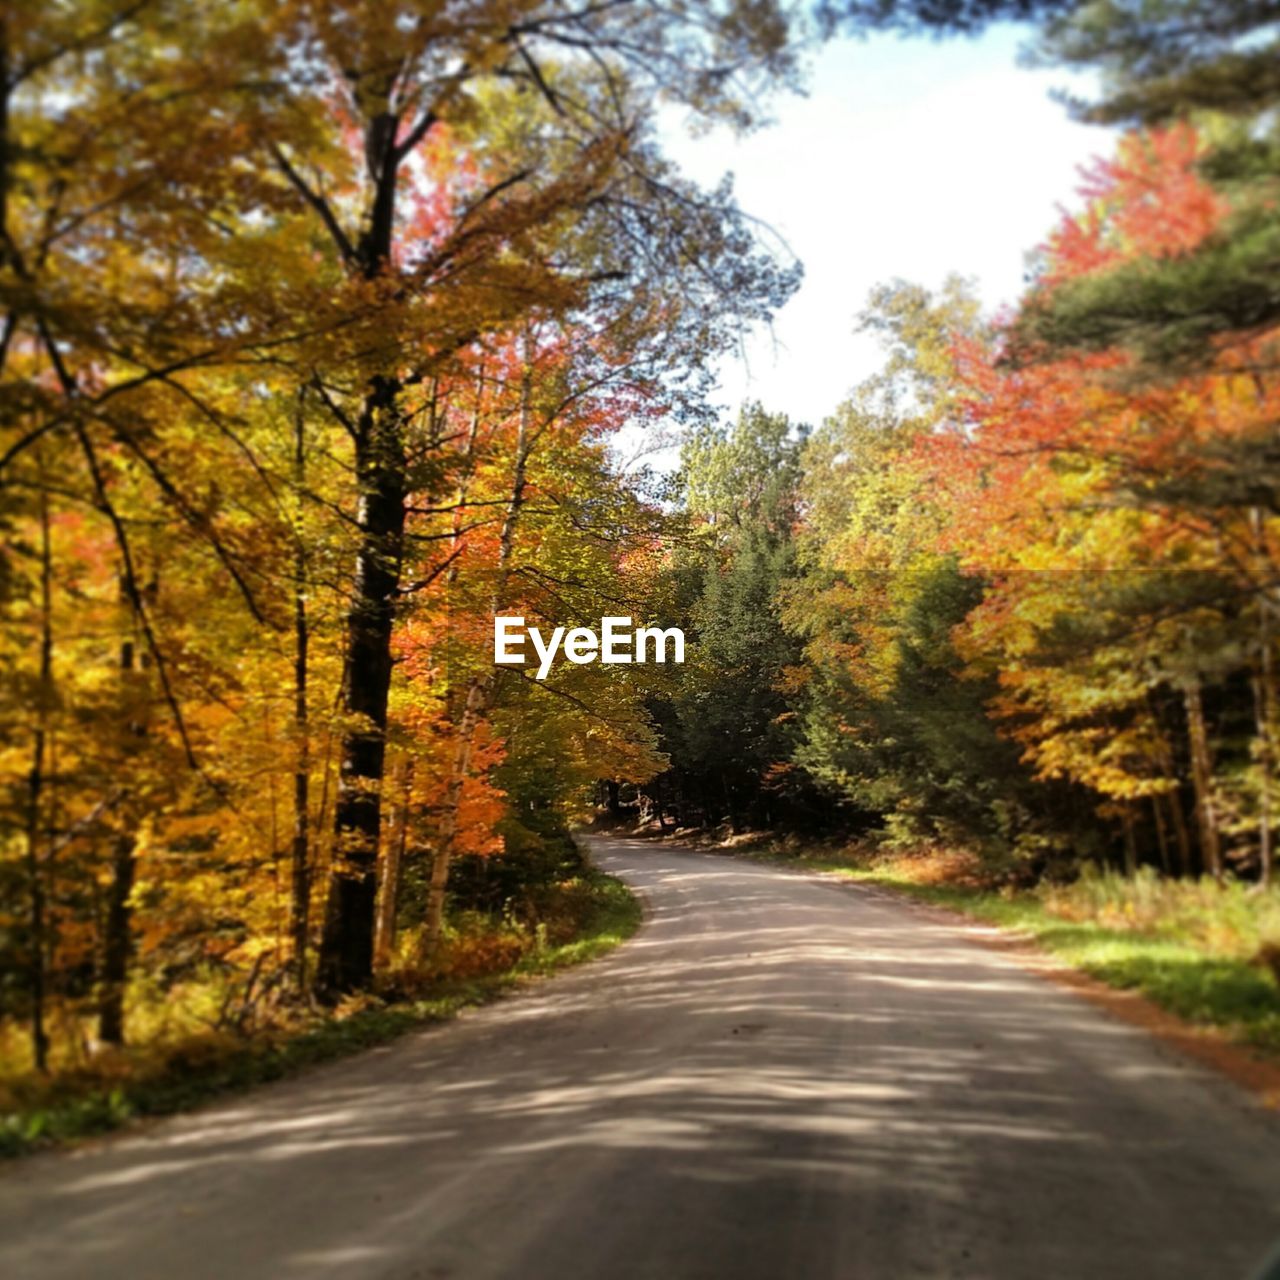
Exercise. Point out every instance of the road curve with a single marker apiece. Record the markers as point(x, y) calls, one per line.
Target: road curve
point(777, 1078)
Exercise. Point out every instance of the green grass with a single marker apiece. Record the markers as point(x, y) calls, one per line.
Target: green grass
point(1167, 962)
point(69, 1111)
point(615, 916)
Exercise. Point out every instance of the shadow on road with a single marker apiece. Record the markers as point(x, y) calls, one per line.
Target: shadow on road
point(776, 1078)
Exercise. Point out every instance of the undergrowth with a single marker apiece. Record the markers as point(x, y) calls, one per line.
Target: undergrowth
point(593, 914)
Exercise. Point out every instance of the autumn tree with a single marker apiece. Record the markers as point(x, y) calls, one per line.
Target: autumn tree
point(395, 82)
point(890, 719)
point(1115, 494)
point(252, 261)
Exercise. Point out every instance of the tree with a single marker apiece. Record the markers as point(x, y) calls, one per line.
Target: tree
point(538, 528)
point(739, 490)
point(253, 265)
point(1115, 499)
point(891, 720)
point(496, 248)
point(1163, 61)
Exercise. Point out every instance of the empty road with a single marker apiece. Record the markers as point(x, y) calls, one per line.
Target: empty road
point(778, 1077)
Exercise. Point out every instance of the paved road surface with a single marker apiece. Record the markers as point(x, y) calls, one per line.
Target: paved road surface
point(778, 1078)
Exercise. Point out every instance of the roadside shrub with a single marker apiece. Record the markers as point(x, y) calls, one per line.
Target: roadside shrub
point(1231, 919)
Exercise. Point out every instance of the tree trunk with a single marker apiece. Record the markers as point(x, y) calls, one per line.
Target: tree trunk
point(1264, 712)
point(1202, 779)
point(1181, 836)
point(35, 788)
point(1162, 836)
point(345, 961)
point(479, 697)
point(1130, 842)
point(1262, 715)
point(117, 945)
point(300, 853)
point(384, 936)
point(346, 949)
point(300, 868)
point(730, 809)
point(117, 930)
point(1173, 801)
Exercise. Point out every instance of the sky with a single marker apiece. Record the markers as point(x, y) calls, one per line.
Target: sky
point(908, 158)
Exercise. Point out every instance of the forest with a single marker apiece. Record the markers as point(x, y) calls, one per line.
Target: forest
point(327, 330)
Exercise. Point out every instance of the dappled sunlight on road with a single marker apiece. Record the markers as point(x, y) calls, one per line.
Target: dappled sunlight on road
point(777, 1077)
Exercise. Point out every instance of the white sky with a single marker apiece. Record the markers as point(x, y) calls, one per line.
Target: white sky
point(909, 158)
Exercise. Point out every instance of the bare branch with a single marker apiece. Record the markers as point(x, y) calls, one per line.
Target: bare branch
point(316, 201)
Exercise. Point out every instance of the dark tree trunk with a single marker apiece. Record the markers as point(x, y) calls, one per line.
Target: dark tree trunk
point(36, 951)
point(117, 926)
point(346, 949)
point(35, 793)
point(730, 809)
point(1182, 837)
point(1173, 801)
point(1162, 836)
point(1202, 779)
point(1264, 709)
point(1130, 842)
point(300, 869)
point(345, 962)
point(117, 943)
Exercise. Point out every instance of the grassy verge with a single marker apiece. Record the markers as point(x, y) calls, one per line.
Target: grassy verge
point(1191, 949)
point(66, 1109)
